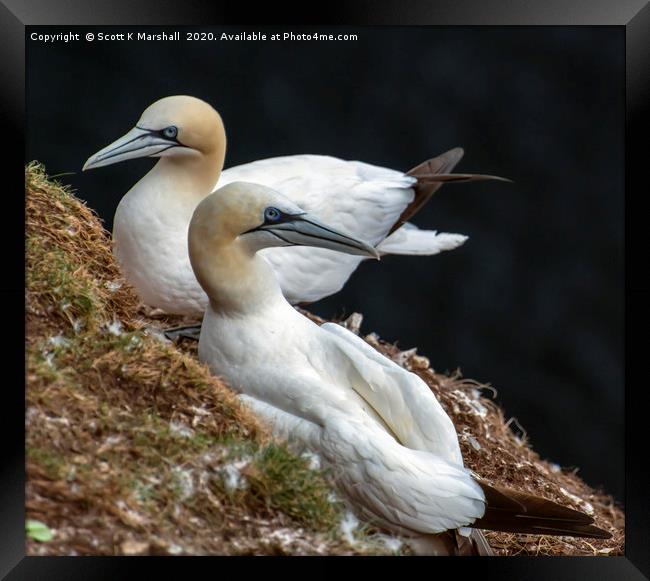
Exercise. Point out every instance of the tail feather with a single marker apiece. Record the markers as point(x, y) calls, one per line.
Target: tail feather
point(519, 512)
point(431, 175)
point(410, 240)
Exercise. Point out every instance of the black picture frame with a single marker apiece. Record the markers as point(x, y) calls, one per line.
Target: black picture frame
point(633, 15)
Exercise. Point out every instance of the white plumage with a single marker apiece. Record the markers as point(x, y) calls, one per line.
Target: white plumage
point(352, 196)
point(151, 221)
point(150, 227)
point(393, 449)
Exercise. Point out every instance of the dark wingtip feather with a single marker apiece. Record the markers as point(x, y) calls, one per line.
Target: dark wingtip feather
point(431, 175)
point(460, 177)
point(443, 163)
point(540, 528)
point(519, 512)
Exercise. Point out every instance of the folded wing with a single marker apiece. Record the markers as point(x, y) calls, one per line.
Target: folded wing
point(401, 398)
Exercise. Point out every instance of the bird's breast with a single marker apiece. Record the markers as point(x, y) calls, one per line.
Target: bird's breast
point(150, 243)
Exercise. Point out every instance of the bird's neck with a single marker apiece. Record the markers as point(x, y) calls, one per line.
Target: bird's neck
point(237, 281)
point(192, 177)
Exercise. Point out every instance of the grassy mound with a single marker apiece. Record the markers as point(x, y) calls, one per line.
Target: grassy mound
point(134, 448)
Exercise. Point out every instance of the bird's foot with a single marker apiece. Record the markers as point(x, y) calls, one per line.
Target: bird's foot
point(151, 312)
point(191, 332)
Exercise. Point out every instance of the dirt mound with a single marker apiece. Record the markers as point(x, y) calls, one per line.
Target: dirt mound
point(134, 448)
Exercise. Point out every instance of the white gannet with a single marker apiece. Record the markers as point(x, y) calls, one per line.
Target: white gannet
point(151, 221)
point(393, 450)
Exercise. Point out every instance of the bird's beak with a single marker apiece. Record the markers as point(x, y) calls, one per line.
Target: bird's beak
point(138, 142)
point(305, 230)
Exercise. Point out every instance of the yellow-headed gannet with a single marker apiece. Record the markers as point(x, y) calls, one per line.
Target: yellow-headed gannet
point(393, 449)
point(151, 221)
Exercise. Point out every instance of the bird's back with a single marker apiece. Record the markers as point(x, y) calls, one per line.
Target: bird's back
point(358, 197)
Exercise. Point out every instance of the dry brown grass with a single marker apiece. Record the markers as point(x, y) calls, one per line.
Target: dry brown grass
point(131, 443)
point(132, 446)
point(497, 449)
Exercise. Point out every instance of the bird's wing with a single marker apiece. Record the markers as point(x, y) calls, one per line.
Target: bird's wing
point(394, 486)
point(399, 397)
point(399, 488)
point(359, 198)
point(368, 201)
point(362, 199)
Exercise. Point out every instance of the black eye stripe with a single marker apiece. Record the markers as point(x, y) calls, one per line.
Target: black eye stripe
point(284, 217)
point(281, 218)
point(161, 133)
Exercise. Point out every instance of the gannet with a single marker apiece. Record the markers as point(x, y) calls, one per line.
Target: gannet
point(393, 450)
point(187, 134)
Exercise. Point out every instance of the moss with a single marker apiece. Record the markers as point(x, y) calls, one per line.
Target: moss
point(281, 480)
point(59, 284)
point(51, 463)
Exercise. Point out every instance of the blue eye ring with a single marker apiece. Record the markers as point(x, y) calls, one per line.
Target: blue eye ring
point(272, 214)
point(170, 132)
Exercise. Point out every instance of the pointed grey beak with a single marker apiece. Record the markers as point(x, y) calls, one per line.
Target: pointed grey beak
point(305, 230)
point(138, 142)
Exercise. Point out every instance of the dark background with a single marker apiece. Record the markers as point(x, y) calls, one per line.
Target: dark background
point(533, 302)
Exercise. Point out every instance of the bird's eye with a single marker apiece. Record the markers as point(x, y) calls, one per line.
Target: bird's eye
point(272, 214)
point(170, 132)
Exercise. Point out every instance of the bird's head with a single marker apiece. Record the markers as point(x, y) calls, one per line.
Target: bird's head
point(258, 217)
point(178, 126)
